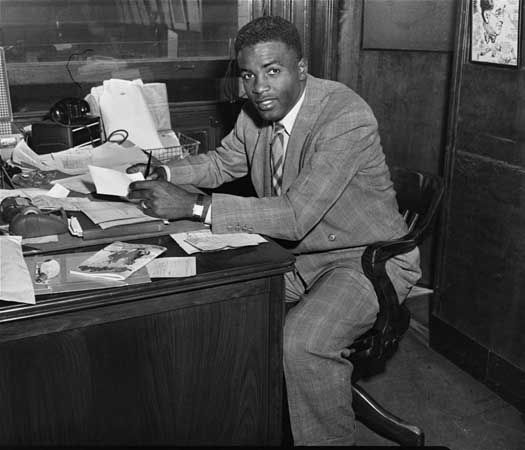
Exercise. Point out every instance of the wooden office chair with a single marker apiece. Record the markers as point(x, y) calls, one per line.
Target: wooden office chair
point(418, 195)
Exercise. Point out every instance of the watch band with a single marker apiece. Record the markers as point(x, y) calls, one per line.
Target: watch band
point(198, 208)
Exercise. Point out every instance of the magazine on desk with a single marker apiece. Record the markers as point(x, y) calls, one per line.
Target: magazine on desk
point(118, 260)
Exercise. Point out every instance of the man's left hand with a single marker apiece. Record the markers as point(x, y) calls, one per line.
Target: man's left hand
point(162, 199)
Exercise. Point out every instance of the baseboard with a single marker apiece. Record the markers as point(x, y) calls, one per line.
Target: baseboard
point(502, 377)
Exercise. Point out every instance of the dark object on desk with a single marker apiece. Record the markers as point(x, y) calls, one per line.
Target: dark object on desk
point(27, 220)
point(69, 111)
point(6, 175)
point(49, 136)
point(148, 166)
point(418, 196)
point(91, 231)
point(14, 206)
point(36, 179)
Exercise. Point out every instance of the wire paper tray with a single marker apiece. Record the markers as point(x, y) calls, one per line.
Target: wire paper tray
point(188, 146)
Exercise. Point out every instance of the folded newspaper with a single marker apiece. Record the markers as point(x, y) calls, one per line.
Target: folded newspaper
point(205, 240)
point(118, 260)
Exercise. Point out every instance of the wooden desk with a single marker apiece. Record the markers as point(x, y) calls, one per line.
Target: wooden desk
point(173, 362)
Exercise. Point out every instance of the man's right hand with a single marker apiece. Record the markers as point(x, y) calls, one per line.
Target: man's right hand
point(155, 173)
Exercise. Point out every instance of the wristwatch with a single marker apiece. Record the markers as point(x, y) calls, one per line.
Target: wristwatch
point(198, 208)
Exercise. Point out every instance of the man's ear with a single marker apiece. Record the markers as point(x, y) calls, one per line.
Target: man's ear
point(301, 65)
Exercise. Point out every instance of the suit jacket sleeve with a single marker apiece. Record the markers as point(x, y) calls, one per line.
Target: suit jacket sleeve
point(212, 169)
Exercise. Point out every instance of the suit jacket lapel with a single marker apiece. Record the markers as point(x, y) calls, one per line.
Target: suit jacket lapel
point(300, 133)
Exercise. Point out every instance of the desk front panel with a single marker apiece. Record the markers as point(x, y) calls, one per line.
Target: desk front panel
point(202, 366)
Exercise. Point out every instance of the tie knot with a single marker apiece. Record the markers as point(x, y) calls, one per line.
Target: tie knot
point(278, 128)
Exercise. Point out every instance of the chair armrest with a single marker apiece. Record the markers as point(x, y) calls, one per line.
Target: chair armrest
point(377, 254)
point(392, 319)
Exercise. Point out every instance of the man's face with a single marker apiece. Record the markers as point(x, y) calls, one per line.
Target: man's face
point(494, 18)
point(273, 78)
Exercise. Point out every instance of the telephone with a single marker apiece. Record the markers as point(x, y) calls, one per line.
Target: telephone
point(69, 111)
point(26, 220)
point(67, 124)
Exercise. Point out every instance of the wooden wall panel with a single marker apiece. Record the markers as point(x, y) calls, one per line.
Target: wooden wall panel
point(408, 92)
point(483, 286)
point(491, 115)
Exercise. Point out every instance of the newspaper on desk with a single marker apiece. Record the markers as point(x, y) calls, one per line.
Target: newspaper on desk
point(76, 160)
point(206, 241)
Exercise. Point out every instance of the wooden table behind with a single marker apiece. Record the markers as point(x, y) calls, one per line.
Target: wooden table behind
point(177, 361)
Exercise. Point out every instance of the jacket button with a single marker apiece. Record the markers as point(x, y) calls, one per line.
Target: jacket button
point(331, 237)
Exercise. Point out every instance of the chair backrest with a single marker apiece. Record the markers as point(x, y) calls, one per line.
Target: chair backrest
point(418, 195)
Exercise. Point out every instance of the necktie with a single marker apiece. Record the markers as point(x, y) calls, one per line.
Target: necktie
point(277, 149)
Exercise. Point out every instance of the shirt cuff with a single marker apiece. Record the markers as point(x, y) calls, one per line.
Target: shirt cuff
point(207, 220)
point(168, 172)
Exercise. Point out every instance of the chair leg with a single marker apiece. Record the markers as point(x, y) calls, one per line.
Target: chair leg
point(384, 423)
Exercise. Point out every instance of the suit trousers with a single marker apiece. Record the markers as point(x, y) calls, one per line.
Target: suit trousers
point(338, 308)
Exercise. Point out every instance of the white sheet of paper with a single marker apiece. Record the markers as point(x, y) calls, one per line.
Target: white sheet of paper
point(107, 214)
point(15, 280)
point(24, 156)
point(58, 191)
point(78, 183)
point(76, 160)
point(124, 107)
point(172, 267)
point(112, 182)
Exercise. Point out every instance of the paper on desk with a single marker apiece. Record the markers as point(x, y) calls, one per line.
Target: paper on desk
point(172, 267)
point(123, 107)
point(58, 191)
point(113, 182)
point(109, 214)
point(15, 280)
point(24, 156)
point(24, 192)
point(67, 203)
point(205, 240)
point(78, 183)
point(75, 161)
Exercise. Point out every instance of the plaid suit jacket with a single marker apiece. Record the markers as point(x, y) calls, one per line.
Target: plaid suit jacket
point(337, 195)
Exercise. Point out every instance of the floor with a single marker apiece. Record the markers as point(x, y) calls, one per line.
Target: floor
point(453, 409)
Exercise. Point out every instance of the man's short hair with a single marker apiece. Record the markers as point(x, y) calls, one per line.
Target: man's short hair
point(266, 29)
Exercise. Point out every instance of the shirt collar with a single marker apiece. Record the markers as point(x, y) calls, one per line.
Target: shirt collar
point(288, 120)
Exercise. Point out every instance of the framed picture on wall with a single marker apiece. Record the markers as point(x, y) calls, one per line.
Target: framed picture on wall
point(496, 32)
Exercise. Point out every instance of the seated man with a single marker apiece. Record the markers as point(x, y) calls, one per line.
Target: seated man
point(312, 150)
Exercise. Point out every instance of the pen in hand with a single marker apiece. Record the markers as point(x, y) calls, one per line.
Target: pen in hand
point(148, 167)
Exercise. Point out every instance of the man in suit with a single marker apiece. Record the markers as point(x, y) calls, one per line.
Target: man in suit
point(325, 198)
